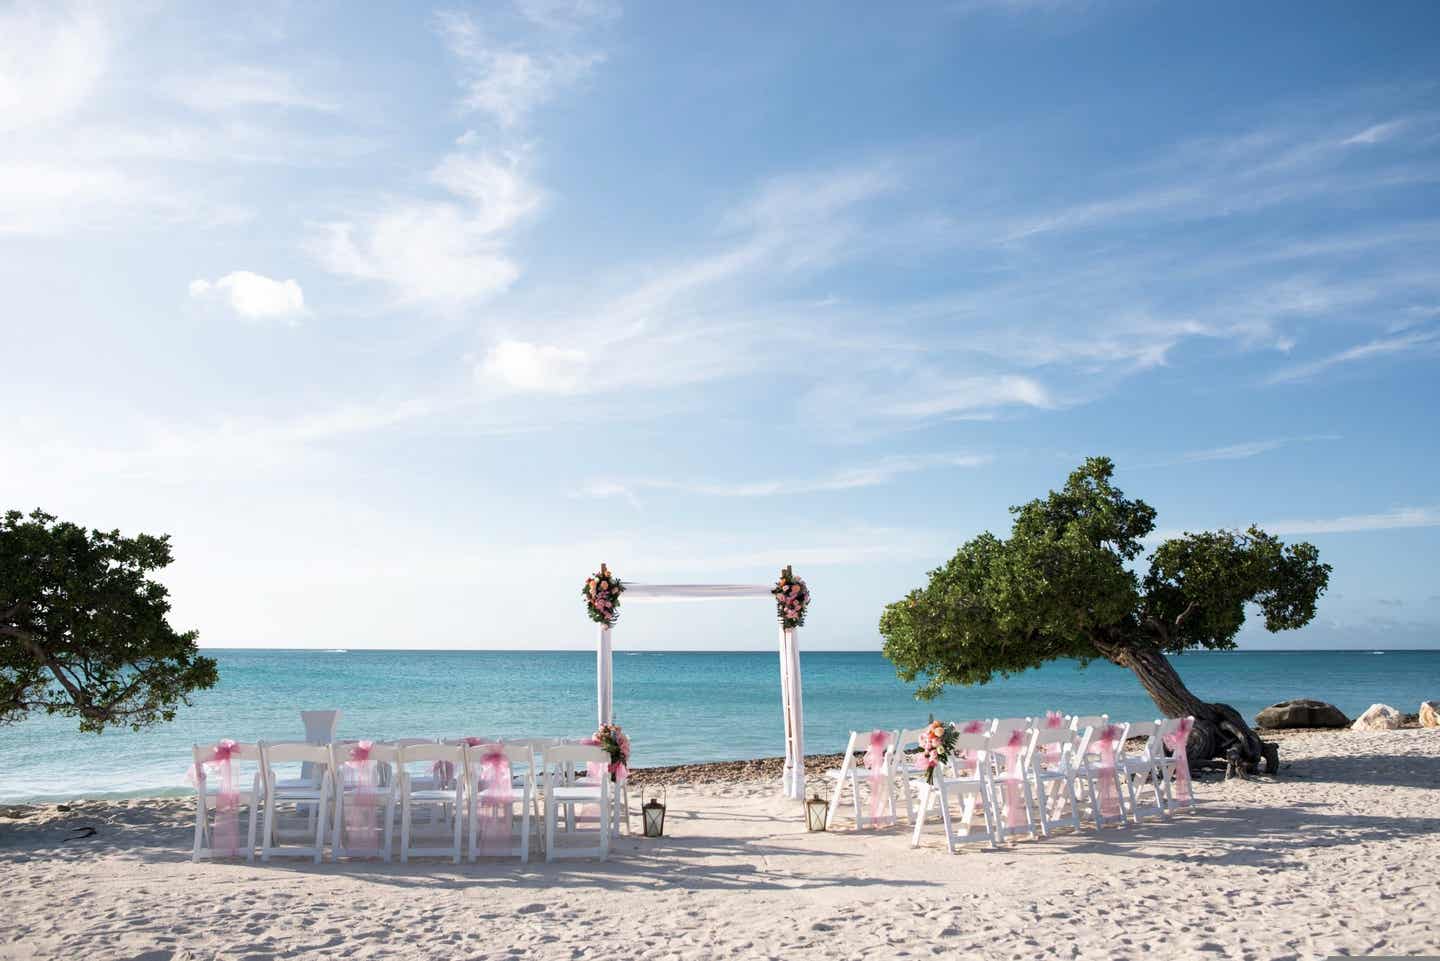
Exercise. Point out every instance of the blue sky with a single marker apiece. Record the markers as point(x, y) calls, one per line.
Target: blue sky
point(401, 319)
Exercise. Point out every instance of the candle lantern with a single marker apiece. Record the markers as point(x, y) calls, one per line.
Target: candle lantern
point(816, 810)
point(652, 813)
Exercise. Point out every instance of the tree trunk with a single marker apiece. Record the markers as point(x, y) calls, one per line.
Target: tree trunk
point(1219, 731)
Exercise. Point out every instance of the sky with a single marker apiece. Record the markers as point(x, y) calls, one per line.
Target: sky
point(400, 320)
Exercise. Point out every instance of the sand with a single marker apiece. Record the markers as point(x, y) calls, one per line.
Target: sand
point(1337, 856)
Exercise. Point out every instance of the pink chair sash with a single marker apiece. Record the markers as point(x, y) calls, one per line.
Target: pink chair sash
point(1054, 721)
point(226, 836)
point(1177, 742)
point(1106, 743)
point(495, 801)
point(875, 765)
point(363, 827)
point(1012, 781)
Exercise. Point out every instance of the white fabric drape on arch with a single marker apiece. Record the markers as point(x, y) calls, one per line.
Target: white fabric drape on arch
point(791, 708)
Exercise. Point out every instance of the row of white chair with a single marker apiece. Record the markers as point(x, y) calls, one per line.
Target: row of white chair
point(443, 781)
point(1019, 774)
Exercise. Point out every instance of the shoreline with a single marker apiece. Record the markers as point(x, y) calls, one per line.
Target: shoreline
point(744, 771)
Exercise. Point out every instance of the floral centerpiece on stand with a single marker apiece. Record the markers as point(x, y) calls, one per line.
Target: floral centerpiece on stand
point(616, 743)
point(602, 596)
point(792, 599)
point(936, 743)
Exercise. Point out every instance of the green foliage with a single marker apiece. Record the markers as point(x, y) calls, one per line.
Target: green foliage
point(83, 629)
point(1064, 586)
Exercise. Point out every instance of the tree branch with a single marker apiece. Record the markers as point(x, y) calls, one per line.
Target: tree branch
point(1189, 609)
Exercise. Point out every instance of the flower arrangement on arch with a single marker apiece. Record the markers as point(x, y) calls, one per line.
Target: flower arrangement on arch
point(936, 743)
point(792, 599)
point(616, 743)
point(602, 596)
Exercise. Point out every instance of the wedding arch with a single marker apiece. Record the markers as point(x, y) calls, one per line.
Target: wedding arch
point(602, 594)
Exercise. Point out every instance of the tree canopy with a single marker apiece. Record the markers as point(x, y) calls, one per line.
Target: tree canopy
point(84, 630)
point(1067, 584)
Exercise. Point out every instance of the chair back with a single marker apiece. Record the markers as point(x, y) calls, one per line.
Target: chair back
point(1042, 749)
point(1150, 731)
point(243, 758)
point(1081, 721)
point(294, 752)
point(559, 755)
point(1002, 726)
point(383, 753)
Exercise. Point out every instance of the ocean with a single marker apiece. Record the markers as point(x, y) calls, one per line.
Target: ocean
point(677, 707)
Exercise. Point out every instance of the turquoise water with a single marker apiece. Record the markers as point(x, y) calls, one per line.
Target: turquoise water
point(677, 707)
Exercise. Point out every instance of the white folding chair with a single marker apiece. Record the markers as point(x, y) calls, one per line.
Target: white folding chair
point(520, 759)
point(946, 786)
point(302, 798)
point(1010, 786)
point(420, 788)
point(245, 782)
point(1099, 773)
point(1173, 764)
point(1052, 773)
point(1142, 767)
point(562, 792)
point(852, 772)
point(355, 791)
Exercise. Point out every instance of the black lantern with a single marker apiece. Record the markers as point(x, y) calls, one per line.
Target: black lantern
point(652, 813)
point(816, 810)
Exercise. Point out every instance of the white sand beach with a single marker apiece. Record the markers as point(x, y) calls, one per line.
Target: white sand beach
point(1335, 857)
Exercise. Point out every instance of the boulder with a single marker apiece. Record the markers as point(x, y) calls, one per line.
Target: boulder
point(1301, 712)
point(1430, 713)
point(1378, 717)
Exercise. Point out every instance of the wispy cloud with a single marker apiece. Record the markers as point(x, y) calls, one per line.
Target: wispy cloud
point(1420, 341)
point(508, 82)
point(1240, 451)
point(441, 252)
point(52, 59)
point(1399, 518)
point(852, 478)
point(229, 88)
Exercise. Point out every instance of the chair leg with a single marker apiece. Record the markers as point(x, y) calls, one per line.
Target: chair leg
point(250, 830)
point(549, 825)
point(405, 828)
point(919, 819)
point(320, 825)
point(269, 829)
point(525, 827)
point(199, 825)
point(389, 831)
point(945, 820)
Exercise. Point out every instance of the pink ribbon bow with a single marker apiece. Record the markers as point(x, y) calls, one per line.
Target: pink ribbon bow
point(1106, 744)
point(1012, 781)
point(875, 765)
point(1177, 743)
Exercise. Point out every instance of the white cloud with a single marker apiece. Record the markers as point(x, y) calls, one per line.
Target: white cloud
point(567, 15)
point(507, 83)
point(1377, 133)
point(445, 253)
point(850, 478)
point(1399, 518)
point(1240, 451)
point(534, 368)
point(52, 58)
point(232, 87)
point(1419, 341)
point(253, 296)
point(940, 396)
